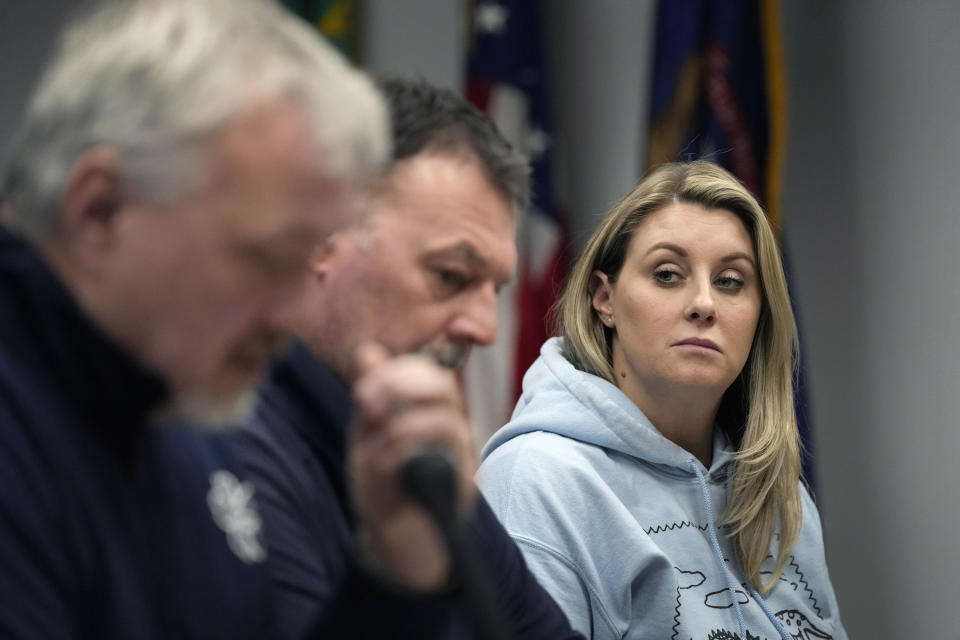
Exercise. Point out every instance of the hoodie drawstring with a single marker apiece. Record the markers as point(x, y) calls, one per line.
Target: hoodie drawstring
point(772, 618)
point(708, 507)
point(731, 586)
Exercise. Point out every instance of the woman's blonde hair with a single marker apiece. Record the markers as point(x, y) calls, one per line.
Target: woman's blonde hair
point(757, 410)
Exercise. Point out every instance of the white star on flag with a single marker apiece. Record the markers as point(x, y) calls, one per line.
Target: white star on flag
point(490, 17)
point(535, 142)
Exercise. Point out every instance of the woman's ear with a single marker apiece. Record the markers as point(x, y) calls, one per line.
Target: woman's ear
point(601, 296)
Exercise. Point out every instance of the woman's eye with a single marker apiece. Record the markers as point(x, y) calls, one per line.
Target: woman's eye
point(666, 276)
point(730, 283)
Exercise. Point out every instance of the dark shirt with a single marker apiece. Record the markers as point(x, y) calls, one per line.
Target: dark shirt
point(295, 452)
point(105, 528)
point(112, 527)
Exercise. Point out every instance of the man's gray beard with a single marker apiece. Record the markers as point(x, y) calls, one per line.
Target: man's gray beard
point(210, 412)
point(213, 414)
point(452, 356)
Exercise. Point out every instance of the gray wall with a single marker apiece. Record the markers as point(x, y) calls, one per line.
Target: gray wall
point(598, 71)
point(872, 231)
point(422, 37)
point(27, 30)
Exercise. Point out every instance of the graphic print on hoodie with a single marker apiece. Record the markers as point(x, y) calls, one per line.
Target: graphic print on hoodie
point(619, 524)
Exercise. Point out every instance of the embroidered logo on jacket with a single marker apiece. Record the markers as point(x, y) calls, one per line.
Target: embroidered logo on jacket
point(231, 504)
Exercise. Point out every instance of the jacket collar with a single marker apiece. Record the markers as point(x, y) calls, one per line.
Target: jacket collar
point(43, 330)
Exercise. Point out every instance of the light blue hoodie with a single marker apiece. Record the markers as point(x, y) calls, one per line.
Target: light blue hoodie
point(618, 523)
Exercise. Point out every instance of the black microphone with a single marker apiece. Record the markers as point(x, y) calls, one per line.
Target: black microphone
point(430, 479)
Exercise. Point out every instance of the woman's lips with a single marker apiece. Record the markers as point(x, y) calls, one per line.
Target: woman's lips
point(699, 342)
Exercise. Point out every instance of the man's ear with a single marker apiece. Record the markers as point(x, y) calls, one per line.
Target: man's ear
point(601, 295)
point(92, 201)
point(322, 257)
point(340, 248)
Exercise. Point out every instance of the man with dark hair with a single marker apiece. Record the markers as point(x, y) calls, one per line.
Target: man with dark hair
point(419, 275)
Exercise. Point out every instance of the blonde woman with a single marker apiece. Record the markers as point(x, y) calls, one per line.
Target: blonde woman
point(651, 470)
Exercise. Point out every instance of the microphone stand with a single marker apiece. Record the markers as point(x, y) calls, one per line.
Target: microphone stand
point(430, 479)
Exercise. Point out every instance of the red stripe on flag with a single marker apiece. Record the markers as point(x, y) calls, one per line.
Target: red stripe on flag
point(535, 300)
point(478, 93)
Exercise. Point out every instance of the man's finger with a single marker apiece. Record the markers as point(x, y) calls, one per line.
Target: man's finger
point(369, 356)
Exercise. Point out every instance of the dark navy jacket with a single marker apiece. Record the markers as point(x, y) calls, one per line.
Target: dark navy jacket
point(111, 527)
point(294, 450)
point(105, 531)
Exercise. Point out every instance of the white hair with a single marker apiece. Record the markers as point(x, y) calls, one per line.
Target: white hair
point(155, 79)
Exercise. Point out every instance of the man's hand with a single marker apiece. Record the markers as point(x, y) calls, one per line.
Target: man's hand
point(404, 404)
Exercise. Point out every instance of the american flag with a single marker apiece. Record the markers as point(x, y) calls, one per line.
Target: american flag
point(505, 79)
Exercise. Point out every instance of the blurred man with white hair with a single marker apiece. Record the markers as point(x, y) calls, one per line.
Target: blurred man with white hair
point(174, 168)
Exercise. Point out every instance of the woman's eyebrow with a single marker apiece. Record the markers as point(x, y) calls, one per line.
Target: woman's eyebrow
point(669, 246)
point(738, 256)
